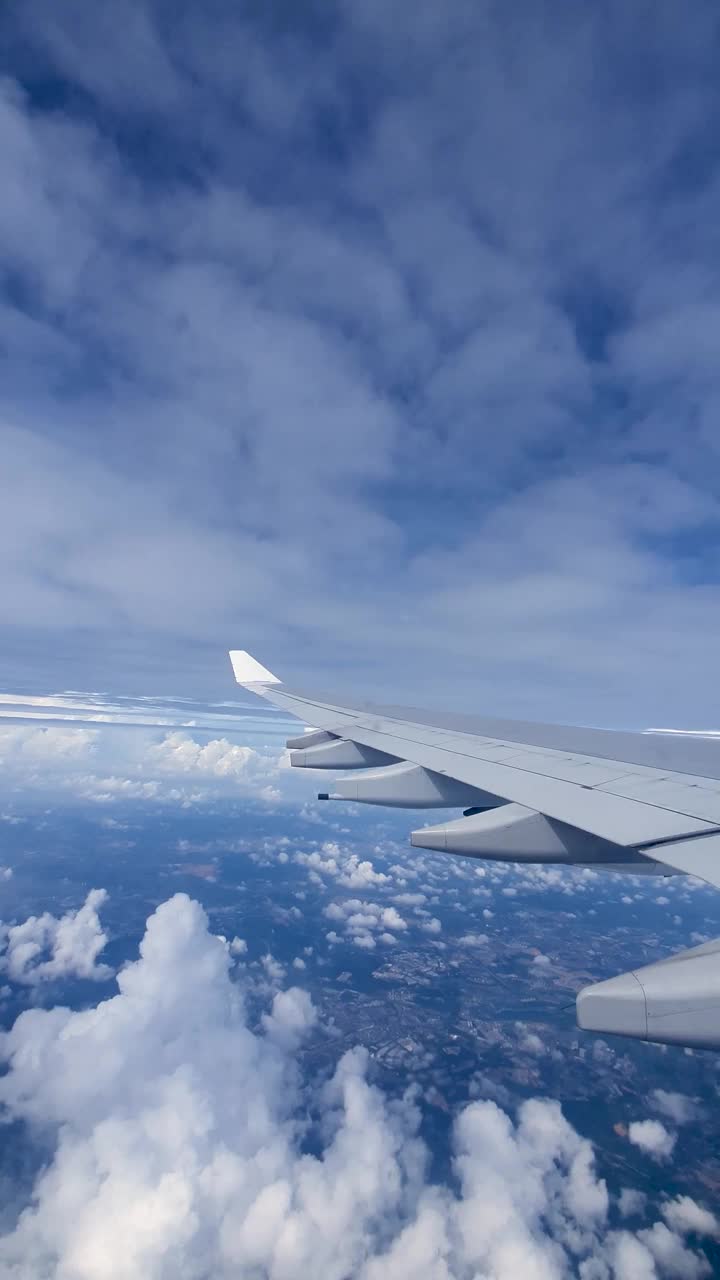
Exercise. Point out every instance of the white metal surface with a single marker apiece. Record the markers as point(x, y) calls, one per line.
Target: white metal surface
point(675, 1001)
point(629, 800)
point(408, 786)
point(624, 821)
point(248, 671)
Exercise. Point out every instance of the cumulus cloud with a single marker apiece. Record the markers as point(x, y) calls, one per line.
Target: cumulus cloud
point(272, 968)
point(44, 948)
point(178, 1148)
point(219, 758)
point(685, 1215)
point(106, 765)
point(29, 745)
point(340, 863)
point(360, 873)
point(671, 1255)
point(652, 1137)
point(676, 1106)
point(631, 1201)
point(363, 920)
point(433, 925)
point(291, 1017)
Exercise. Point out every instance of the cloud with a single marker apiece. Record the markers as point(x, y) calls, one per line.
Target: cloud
point(108, 763)
point(630, 1258)
point(272, 968)
point(197, 361)
point(360, 874)
point(676, 1106)
point(683, 1214)
point(348, 868)
point(219, 758)
point(362, 920)
point(652, 1137)
point(631, 1201)
point(529, 1041)
point(44, 948)
point(46, 756)
point(671, 1255)
point(26, 747)
point(433, 925)
point(291, 1017)
point(178, 1143)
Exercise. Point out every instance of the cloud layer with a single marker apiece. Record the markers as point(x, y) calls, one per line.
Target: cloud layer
point(369, 340)
point(187, 1143)
point(103, 765)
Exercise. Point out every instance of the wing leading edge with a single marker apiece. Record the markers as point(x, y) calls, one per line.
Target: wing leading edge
point(532, 793)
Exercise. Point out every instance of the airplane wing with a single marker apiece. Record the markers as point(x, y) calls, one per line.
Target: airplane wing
point(637, 802)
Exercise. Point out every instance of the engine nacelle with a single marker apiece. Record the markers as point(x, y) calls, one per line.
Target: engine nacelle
point(409, 786)
point(313, 738)
point(675, 1001)
point(340, 753)
point(512, 833)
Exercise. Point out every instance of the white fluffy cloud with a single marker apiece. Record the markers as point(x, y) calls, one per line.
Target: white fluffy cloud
point(104, 765)
point(43, 947)
point(28, 745)
point(652, 1136)
point(671, 1254)
point(473, 940)
point(364, 919)
point(180, 753)
point(676, 1106)
point(338, 862)
point(179, 1150)
point(683, 1214)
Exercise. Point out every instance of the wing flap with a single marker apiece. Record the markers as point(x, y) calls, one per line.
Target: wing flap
point(699, 856)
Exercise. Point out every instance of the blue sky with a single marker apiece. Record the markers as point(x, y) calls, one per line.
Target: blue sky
point(379, 339)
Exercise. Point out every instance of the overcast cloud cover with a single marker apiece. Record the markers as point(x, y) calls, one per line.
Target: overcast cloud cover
point(378, 338)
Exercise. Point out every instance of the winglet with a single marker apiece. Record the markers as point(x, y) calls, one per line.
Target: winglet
point(248, 670)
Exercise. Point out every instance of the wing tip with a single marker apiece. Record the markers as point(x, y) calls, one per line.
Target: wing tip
point(248, 671)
